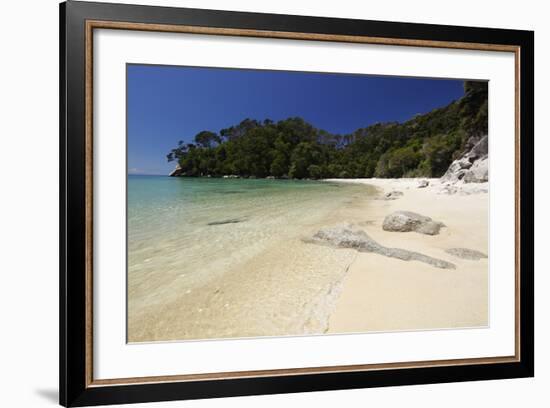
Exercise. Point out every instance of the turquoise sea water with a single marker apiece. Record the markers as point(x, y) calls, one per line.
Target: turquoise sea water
point(203, 251)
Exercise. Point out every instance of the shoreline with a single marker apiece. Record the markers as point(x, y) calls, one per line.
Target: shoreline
point(297, 287)
point(384, 294)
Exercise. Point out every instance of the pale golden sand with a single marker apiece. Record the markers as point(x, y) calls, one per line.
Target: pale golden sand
point(380, 293)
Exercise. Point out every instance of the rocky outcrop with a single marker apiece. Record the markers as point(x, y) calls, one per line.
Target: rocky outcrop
point(177, 171)
point(346, 236)
point(479, 172)
point(406, 221)
point(465, 253)
point(473, 166)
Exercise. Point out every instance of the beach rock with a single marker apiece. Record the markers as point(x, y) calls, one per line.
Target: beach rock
point(346, 236)
point(423, 184)
point(406, 221)
point(465, 253)
point(430, 228)
point(393, 195)
point(472, 167)
point(403, 221)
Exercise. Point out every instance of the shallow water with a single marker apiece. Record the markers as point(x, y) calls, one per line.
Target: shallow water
point(214, 258)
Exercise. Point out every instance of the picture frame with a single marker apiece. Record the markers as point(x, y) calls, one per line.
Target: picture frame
point(79, 21)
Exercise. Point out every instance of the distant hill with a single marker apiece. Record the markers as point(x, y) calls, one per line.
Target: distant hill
point(423, 146)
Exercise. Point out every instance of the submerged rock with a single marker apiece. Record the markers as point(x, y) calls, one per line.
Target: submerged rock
point(230, 192)
point(466, 253)
point(406, 221)
point(229, 221)
point(348, 237)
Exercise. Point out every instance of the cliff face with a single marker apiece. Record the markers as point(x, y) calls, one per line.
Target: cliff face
point(473, 166)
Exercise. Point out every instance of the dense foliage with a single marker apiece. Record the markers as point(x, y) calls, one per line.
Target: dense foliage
point(422, 146)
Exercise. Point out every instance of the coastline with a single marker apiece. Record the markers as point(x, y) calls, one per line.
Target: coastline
point(384, 294)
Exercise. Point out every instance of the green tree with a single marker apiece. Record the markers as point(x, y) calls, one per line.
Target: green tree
point(279, 166)
point(315, 171)
point(207, 139)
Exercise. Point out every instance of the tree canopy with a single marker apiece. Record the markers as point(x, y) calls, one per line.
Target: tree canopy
point(423, 146)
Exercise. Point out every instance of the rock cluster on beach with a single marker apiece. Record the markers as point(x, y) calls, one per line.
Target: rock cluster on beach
point(406, 221)
point(347, 236)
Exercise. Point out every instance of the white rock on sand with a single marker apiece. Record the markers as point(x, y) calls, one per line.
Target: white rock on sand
point(407, 221)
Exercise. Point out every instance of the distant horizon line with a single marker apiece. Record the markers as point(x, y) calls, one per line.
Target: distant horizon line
point(146, 174)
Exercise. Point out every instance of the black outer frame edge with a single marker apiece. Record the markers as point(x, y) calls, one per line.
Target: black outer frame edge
point(292, 384)
point(72, 221)
point(62, 207)
point(73, 392)
point(527, 197)
point(292, 23)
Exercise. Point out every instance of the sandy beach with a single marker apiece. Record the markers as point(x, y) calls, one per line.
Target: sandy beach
point(382, 294)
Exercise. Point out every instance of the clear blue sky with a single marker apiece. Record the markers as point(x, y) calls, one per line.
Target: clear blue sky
point(167, 104)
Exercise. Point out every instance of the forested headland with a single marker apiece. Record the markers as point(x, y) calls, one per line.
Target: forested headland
point(423, 146)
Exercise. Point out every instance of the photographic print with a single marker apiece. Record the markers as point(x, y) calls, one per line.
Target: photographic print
point(281, 203)
point(260, 203)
